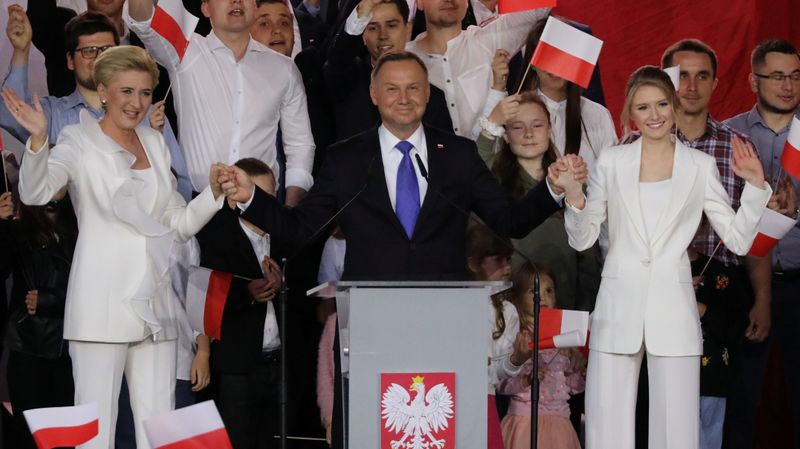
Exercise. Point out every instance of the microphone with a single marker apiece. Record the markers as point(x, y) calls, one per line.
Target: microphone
point(537, 298)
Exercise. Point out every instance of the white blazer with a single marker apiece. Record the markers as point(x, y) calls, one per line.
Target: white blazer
point(119, 286)
point(646, 291)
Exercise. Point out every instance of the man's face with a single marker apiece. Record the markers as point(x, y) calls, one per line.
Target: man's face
point(697, 81)
point(111, 8)
point(781, 97)
point(273, 27)
point(230, 16)
point(400, 91)
point(83, 66)
point(444, 13)
point(387, 31)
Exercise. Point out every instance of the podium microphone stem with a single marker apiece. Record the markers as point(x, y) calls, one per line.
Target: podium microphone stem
point(283, 389)
point(537, 299)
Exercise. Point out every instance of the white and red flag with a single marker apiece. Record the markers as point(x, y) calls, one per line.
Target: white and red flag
point(62, 426)
point(790, 159)
point(509, 6)
point(174, 23)
point(674, 74)
point(206, 294)
point(198, 426)
point(567, 52)
point(563, 328)
point(771, 228)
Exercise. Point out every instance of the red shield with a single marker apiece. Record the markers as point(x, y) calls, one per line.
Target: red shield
point(418, 410)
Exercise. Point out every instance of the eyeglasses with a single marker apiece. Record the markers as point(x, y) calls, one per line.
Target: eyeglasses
point(779, 77)
point(93, 51)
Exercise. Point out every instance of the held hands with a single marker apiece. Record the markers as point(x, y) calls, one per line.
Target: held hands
point(746, 164)
point(500, 70)
point(157, 117)
point(31, 118)
point(236, 184)
point(18, 29)
point(567, 175)
point(263, 290)
point(6, 206)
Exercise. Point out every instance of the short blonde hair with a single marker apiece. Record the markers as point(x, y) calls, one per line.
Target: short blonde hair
point(119, 59)
point(648, 75)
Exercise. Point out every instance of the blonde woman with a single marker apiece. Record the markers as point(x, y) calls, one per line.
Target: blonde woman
point(118, 318)
point(653, 192)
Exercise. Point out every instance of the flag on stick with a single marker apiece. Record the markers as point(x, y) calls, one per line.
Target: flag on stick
point(790, 159)
point(562, 328)
point(567, 52)
point(174, 23)
point(198, 426)
point(771, 228)
point(206, 295)
point(62, 426)
point(509, 6)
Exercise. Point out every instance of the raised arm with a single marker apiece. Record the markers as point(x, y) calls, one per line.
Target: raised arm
point(584, 215)
point(19, 34)
point(140, 14)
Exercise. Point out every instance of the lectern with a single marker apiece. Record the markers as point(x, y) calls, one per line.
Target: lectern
point(399, 332)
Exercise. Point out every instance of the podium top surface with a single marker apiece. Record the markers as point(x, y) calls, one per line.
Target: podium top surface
point(329, 289)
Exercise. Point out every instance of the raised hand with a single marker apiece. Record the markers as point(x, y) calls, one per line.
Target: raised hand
point(157, 116)
point(6, 206)
point(365, 7)
point(18, 29)
point(505, 111)
point(32, 118)
point(236, 184)
point(523, 347)
point(214, 174)
point(567, 175)
point(784, 200)
point(500, 70)
point(746, 164)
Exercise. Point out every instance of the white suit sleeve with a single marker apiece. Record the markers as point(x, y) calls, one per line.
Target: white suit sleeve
point(583, 225)
point(45, 171)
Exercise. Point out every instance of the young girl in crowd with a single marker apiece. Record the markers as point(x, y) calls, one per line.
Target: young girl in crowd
point(561, 373)
point(525, 151)
point(489, 259)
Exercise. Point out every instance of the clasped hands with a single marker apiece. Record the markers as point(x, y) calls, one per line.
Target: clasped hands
point(567, 175)
point(231, 181)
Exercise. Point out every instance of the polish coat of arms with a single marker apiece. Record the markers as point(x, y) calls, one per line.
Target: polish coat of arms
point(421, 416)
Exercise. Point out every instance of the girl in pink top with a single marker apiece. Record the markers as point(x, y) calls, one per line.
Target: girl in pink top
point(561, 374)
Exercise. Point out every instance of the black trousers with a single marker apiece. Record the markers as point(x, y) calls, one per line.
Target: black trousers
point(36, 382)
point(248, 404)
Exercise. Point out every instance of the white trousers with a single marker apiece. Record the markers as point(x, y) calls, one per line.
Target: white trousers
point(149, 369)
point(611, 387)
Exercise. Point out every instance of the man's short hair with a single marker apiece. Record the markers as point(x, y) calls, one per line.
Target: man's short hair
point(271, 2)
point(693, 45)
point(402, 7)
point(397, 56)
point(254, 167)
point(759, 56)
point(87, 24)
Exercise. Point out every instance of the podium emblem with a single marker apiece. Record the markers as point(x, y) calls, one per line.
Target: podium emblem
point(421, 416)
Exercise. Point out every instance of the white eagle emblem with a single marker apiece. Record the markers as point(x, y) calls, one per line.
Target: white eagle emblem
point(418, 420)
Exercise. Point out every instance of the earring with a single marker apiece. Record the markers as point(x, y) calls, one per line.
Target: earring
point(103, 103)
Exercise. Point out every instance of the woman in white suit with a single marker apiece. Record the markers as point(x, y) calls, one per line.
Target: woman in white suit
point(653, 193)
point(118, 317)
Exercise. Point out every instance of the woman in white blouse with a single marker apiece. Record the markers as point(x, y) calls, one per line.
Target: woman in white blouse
point(118, 317)
point(653, 192)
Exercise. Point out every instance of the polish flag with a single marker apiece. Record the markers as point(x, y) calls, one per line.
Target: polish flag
point(206, 295)
point(62, 426)
point(674, 74)
point(790, 159)
point(174, 23)
point(509, 6)
point(771, 228)
point(567, 52)
point(198, 426)
point(562, 328)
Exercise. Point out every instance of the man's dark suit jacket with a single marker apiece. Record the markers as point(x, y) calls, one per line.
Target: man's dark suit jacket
point(377, 245)
point(347, 77)
point(225, 247)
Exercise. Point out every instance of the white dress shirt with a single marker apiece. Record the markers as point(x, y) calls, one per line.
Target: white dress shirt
point(500, 350)
point(597, 131)
point(261, 246)
point(391, 157)
point(464, 71)
point(483, 15)
point(229, 109)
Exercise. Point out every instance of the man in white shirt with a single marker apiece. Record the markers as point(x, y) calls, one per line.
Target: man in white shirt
point(459, 62)
point(232, 94)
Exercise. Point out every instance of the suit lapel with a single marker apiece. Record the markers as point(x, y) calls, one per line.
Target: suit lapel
point(435, 169)
point(628, 181)
point(684, 172)
point(378, 194)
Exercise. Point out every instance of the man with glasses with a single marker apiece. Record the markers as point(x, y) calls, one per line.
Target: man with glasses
point(86, 36)
point(775, 79)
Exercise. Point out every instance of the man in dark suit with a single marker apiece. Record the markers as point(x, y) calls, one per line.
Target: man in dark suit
point(351, 56)
point(244, 362)
point(401, 225)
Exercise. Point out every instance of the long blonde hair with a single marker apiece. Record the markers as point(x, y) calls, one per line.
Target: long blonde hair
point(648, 75)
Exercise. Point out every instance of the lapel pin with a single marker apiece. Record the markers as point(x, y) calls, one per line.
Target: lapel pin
point(439, 146)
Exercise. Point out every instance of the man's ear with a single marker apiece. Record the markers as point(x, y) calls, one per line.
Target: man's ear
point(373, 95)
point(70, 62)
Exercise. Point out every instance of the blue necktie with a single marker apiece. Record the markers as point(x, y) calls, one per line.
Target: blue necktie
point(407, 207)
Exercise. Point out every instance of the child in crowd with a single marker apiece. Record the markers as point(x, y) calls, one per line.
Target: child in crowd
point(489, 259)
point(723, 308)
point(561, 374)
